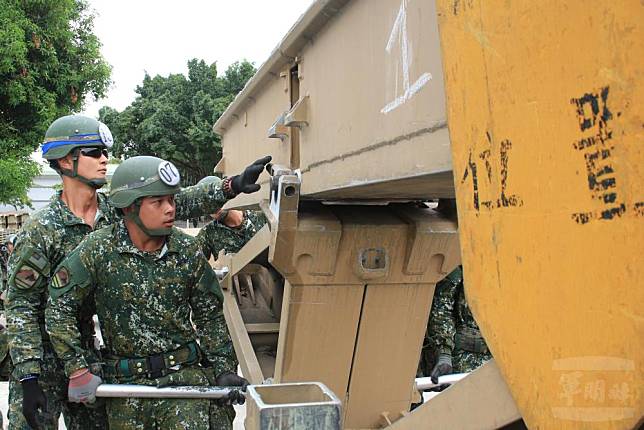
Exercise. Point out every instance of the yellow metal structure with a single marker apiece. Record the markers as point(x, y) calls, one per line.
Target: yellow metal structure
point(545, 107)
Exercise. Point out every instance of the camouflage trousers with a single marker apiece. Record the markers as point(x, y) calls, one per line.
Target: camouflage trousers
point(466, 361)
point(53, 382)
point(170, 414)
point(426, 363)
point(4, 376)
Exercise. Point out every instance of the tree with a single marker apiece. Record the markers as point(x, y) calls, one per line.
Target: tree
point(15, 179)
point(49, 61)
point(172, 117)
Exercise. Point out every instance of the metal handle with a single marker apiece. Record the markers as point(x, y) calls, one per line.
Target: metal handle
point(145, 391)
point(426, 383)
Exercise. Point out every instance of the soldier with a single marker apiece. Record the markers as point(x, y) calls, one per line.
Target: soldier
point(150, 283)
point(230, 229)
point(5, 251)
point(4, 361)
point(76, 147)
point(11, 242)
point(5, 364)
point(452, 333)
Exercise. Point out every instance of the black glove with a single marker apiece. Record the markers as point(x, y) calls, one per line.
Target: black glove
point(443, 367)
point(33, 399)
point(245, 182)
point(234, 397)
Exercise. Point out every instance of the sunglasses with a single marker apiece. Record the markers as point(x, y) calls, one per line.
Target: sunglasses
point(94, 152)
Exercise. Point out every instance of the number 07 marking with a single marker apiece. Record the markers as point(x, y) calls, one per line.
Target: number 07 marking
point(168, 173)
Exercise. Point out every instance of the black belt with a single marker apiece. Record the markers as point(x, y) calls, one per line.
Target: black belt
point(153, 366)
point(469, 341)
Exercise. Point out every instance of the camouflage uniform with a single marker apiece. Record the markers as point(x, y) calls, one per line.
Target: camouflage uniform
point(49, 236)
point(4, 257)
point(4, 361)
point(147, 303)
point(452, 329)
point(4, 343)
point(216, 235)
point(4, 356)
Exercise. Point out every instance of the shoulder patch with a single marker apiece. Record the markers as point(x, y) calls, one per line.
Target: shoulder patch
point(70, 274)
point(26, 277)
point(38, 261)
point(61, 278)
point(32, 266)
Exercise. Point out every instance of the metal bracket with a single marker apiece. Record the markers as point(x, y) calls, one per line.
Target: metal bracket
point(278, 129)
point(284, 202)
point(298, 116)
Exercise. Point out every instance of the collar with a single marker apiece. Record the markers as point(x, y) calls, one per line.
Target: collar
point(69, 218)
point(124, 244)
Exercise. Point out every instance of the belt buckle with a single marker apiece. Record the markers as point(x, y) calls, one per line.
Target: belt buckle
point(156, 365)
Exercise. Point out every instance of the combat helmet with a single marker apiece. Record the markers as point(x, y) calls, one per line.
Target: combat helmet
point(12, 239)
point(209, 180)
point(221, 213)
point(70, 133)
point(139, 177)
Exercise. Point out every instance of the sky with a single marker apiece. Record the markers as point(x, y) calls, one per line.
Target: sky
point(161, 36)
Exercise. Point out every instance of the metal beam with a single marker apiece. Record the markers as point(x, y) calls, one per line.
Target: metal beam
point(241, 342)
point(481, 400)
point(252, 249)
point(262, 328)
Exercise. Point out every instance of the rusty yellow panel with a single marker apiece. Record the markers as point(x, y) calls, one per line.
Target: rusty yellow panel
point(546, 124)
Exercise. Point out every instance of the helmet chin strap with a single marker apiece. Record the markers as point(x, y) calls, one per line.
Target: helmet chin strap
point(94, 183)
point(153, 232)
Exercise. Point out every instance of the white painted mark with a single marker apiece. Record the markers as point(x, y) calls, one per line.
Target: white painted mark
point(399, 34)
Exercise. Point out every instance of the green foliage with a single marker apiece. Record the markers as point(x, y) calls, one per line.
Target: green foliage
point(172, 117)
point(49, 61)
point(15, 179)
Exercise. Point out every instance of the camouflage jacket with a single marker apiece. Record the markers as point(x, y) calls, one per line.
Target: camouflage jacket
point(49, 236)
point(450, 313)
point(147, 302)
point(216, 236)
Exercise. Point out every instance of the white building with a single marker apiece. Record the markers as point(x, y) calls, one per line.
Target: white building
point(44, 186)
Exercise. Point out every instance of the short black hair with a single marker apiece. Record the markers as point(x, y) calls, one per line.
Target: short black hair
point(54, 165)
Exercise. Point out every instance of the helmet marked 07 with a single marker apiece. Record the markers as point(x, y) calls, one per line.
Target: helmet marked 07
point(143, 176)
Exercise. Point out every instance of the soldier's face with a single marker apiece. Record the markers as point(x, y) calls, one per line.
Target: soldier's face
point(157, 211)
point(92, 162)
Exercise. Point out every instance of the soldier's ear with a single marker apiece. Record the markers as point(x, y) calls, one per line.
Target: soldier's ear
point(66, 162)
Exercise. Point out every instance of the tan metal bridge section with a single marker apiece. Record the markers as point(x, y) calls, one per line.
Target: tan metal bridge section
point(544, 101)
point(359, 88)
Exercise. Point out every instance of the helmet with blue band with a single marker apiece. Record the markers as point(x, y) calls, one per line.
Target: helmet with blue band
point(70, 133)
